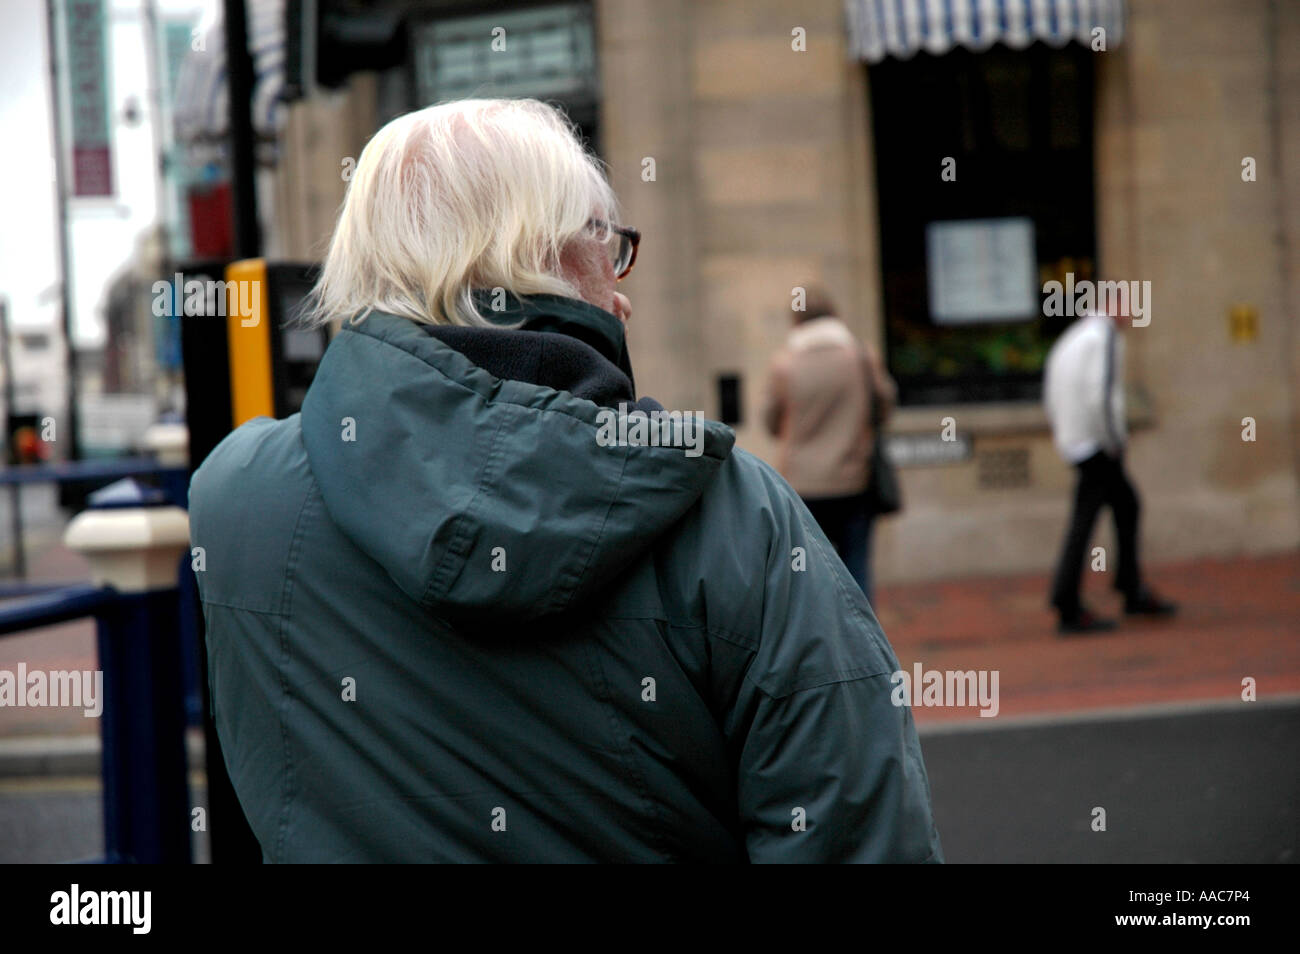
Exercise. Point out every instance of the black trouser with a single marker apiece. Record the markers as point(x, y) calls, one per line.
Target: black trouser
point(1101, 481)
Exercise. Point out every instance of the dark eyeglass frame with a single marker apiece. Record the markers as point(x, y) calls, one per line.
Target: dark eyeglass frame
point(630, 235)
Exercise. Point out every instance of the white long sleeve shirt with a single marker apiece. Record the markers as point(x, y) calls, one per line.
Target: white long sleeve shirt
point(1083, 389)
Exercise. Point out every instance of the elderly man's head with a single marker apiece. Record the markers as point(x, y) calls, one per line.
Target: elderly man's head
point(475, 194)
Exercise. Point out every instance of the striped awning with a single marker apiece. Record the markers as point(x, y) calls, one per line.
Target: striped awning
point(202, 107)
point(901, 28)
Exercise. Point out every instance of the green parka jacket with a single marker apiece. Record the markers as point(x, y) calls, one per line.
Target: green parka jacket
point(453, 615)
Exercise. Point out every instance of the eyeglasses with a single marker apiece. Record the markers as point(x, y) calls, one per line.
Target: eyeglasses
point(623, 253)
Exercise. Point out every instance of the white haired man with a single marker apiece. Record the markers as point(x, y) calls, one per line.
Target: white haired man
point(447, 622)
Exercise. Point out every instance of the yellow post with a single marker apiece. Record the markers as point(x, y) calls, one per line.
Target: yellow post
point(248, 336)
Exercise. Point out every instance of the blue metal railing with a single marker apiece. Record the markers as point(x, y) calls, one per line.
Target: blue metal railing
point(174, 482)
point(58, 605)
point(140, 644)
point(112, 468)
point(142, 724)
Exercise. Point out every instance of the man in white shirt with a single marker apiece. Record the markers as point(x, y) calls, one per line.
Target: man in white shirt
point(1083, 390)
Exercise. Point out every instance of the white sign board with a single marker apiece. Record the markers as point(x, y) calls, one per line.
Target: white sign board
point(981, 270)
point(922, 450)
point(116, 422)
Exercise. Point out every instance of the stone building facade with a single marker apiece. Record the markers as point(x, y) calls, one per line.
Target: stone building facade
point(764, 177)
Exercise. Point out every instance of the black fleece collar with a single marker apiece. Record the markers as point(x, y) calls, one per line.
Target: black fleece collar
point(559, 343)
point(567, 316)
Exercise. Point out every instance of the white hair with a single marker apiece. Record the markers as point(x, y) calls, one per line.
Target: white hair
point(465, 195)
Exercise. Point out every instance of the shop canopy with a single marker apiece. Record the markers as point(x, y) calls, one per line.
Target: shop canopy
point(902, 28)
point(202, 105)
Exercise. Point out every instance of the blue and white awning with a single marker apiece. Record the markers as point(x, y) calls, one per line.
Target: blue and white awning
point(202, 108)
point(901, 28)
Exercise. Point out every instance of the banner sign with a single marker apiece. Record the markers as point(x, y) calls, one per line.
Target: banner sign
point(85, 32)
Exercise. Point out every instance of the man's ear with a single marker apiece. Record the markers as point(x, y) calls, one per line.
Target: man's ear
point(622, 308)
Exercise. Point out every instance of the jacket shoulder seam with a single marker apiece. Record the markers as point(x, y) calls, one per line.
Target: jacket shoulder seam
point(455, 547)
point(719, 632)
point(243, 609)
point(286, 599)
point(658, 824)
point(821, 681)
point(595, 543)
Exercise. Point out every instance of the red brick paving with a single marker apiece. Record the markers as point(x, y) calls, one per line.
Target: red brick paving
point(1237, 618)
point(65, 646)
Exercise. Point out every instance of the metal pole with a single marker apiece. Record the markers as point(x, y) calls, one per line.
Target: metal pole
point(243, 183)
point(230, 837)
point(16, 517)
point(158, 124)
point(134, 552)
point(15, 494)
point(65, 249)
point(146, 798)
point(6, 356)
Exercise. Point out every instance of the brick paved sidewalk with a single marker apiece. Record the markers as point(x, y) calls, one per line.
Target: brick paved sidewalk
point(1238, 618)
point(62, 646)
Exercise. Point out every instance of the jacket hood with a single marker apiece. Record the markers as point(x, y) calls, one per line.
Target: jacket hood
point(485, 497)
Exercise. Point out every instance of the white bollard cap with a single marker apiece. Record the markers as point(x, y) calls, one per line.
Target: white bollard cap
point(170, 443)
point(134, 548)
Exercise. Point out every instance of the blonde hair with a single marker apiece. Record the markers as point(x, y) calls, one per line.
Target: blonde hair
point(465, 195)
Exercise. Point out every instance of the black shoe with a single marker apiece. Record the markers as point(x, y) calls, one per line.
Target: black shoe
point(1084, 621)
point(1146, 603)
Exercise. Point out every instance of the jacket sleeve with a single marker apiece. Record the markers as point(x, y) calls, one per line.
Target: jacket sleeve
point(884, 392)
point(829, 768)
point(775, 400)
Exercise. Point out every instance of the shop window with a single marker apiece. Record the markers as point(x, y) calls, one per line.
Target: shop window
point(964, 256)
point(544, 52)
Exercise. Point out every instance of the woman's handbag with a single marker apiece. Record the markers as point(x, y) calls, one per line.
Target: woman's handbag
point(883, 493)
